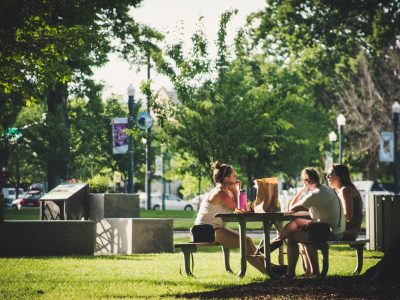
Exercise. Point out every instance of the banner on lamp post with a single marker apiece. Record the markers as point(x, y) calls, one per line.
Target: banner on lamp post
point(386, 147)
point(119, 137)
point(159, 162)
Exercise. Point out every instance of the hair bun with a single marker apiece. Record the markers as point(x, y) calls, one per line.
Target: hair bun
point(217, 164)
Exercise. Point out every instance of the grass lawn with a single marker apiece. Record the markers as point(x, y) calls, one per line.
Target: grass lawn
point(150, 276)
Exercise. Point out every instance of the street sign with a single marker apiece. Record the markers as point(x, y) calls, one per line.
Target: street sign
point(144, 120)
point(13, 134)
point(386, 147)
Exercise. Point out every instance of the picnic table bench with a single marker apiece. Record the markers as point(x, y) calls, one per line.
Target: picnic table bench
point(358, 245)
point(188, 249)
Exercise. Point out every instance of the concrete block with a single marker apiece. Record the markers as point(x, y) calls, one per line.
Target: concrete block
point(113, 206)
point(129, 236)
point(47, 238)
point(114, 236)
point(152, 235)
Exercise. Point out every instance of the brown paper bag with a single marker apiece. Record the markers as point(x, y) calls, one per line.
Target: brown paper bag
point(267, 195)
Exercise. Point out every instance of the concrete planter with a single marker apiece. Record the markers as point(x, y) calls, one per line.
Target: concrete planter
point(47, 238)
point(113, 206)
point(130, 236)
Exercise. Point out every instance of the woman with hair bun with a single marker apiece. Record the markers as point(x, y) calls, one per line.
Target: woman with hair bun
point(223, 199)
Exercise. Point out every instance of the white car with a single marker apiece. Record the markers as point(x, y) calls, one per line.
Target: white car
point(172, 202)
point(10, 195)
point(196, 201)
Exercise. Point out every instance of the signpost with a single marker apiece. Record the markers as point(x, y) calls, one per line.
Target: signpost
point(145, 121)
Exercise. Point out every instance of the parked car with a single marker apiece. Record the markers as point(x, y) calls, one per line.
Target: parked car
point(196, 201)
point(29, 199)
point(10, 195)
point(172, 202)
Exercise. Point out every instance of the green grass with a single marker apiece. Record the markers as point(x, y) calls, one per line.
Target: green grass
point(149, 276)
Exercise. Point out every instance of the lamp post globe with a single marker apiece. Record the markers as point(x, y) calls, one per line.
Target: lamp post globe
point(332, 139)
point(131, 94)
point(341, 122)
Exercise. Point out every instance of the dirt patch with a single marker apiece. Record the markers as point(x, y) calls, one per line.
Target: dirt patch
point(352, 287)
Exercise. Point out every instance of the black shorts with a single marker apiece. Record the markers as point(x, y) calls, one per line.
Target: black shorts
point(318, 231)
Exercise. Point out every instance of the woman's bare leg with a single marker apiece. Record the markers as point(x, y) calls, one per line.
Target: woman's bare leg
point(312, 256)
point(306, 260)
point(230, 239)
point(292, 227)
point(293, 250)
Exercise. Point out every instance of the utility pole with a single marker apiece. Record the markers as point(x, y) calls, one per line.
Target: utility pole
point(148, 144)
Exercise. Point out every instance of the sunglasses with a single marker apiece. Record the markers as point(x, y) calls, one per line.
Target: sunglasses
point(330, 175)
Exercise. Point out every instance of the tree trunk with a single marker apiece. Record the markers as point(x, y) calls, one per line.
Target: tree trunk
point(58, 126)
point(387, 269)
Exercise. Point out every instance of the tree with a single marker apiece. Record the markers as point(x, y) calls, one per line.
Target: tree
point(367, 99)
point(48, 45)
point(243, 109)
point(92, 145)
point(341, 30)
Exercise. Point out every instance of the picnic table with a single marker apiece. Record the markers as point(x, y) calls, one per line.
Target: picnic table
point(267, 220)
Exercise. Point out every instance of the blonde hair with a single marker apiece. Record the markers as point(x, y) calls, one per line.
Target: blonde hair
point(310, 175)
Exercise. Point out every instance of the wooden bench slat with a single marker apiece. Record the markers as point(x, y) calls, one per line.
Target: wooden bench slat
point(192, 245)
point(355, 242)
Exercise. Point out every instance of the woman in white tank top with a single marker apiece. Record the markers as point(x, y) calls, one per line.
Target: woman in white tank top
point(223, 199)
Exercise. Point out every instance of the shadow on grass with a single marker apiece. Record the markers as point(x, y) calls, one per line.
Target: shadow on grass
point(141, 257)
point(335, 287)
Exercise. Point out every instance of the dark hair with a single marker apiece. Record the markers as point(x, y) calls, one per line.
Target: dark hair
point(343, 173)
point(310, 175)
point(220, 171)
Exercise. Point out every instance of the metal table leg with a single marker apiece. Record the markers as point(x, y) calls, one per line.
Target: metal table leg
point(243, 248)
point(267, 250)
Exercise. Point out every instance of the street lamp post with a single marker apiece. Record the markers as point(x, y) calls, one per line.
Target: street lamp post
point(149, 173)
point(396, 111)
point(131, 93)
point(341, 121)
point(332, 139)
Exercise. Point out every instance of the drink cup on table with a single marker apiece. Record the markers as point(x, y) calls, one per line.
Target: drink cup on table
point(242, 204)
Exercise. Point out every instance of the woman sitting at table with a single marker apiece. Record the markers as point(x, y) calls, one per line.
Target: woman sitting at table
point(339, 179)
point(223, 199)
point(324, 207)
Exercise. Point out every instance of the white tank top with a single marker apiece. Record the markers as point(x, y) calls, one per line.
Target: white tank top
point(207, 212)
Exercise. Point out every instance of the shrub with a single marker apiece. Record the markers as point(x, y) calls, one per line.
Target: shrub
point(98, 184)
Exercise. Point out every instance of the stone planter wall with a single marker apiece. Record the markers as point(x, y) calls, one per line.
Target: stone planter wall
point(113, 206)
point(129, 236)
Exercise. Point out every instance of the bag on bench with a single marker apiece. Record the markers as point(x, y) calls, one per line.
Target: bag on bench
point(203, 233)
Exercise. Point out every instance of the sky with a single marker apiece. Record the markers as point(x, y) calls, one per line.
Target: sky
point(167, 16)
